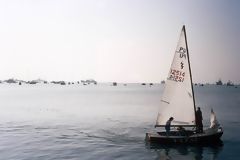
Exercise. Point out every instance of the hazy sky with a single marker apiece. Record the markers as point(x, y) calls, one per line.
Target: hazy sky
point(117, 40)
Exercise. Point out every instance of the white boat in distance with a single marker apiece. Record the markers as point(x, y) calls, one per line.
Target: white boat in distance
point(178, 101)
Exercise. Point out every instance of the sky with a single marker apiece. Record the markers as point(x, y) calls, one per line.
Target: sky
point(117, 40)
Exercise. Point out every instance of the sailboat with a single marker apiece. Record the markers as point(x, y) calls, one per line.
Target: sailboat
point(178, 101)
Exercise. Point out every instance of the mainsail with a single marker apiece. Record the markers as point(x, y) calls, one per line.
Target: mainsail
point(178, 98)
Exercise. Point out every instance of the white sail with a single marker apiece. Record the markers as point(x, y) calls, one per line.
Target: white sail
point(214, 126)
point(177, 99)
point(213, 120)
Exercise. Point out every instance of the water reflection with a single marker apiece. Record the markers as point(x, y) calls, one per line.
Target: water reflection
point(191, 152)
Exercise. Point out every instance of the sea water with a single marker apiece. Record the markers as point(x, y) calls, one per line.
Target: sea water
point(105, 122)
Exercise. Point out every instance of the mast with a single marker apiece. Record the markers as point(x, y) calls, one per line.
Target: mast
point(184, 30)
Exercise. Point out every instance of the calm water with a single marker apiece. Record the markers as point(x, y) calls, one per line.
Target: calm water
point(53, 122)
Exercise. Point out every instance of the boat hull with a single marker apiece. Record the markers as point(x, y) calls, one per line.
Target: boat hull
point(194, 138)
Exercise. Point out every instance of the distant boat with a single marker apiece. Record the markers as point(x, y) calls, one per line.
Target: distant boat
point(62, 83)
point(10, 81)
point(89, 81)
point(33, 82)
point(178, 101)
point(219, 82)
point(230, 83)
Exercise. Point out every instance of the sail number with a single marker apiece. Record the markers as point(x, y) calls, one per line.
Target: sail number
point(176, 75)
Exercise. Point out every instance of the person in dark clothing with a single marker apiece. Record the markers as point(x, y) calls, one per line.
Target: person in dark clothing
point(199, 119)
point(181, 131)
point(168, 125)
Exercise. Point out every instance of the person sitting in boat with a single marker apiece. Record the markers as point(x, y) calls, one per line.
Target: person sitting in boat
point(199, 119)
point(168, 125)
point(181, 131)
